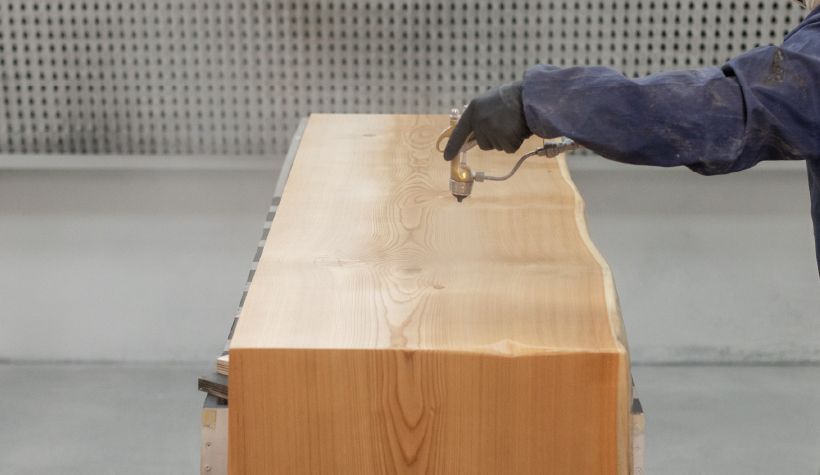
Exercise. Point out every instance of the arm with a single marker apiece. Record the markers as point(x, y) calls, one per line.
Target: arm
point(670, 119)
point(763, 105)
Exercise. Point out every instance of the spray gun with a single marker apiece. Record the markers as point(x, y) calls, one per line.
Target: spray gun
point(462, 176)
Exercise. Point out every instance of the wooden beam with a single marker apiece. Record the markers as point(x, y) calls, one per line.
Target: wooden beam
point(390, 329)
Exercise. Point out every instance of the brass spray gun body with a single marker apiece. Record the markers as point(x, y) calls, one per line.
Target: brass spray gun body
point(462, 176)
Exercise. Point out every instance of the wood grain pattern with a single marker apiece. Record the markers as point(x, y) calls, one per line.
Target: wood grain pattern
point(389, 329)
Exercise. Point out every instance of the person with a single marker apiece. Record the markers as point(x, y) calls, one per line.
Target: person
point(761, 105)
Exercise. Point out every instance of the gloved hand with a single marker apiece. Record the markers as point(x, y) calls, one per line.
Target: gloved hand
point(497, 120)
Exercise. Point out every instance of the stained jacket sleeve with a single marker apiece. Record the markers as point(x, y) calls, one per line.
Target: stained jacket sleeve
point(691, 118)
point(762, 105)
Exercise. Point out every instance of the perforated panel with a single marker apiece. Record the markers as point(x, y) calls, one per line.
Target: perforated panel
point(234, 77)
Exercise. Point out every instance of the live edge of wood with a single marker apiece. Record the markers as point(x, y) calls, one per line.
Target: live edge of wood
point(390, 330)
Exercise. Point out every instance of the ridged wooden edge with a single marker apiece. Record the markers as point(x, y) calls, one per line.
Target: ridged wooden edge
point(616, 323)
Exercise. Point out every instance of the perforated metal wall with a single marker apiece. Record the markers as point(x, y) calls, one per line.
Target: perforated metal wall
point(234, 77)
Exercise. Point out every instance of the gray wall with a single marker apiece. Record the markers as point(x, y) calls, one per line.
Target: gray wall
point(708, 269)
point(128, 264)
point(147, 263)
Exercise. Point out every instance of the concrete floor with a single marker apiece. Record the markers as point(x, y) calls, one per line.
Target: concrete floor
point(139, 419)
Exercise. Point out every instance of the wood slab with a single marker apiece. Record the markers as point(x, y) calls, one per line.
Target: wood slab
point(389, 329)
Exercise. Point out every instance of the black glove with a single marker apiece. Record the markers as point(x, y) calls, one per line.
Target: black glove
point(497, 120)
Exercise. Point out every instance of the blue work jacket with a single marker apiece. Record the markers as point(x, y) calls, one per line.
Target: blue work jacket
point(761, 105)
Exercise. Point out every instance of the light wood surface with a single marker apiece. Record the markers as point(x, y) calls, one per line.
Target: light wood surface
point(389, 329)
